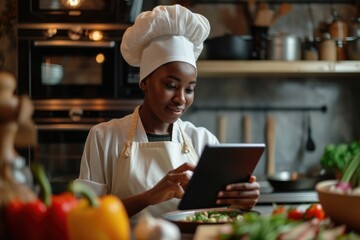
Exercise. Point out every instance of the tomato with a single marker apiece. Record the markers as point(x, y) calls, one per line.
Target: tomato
point(279, 210)
point(295, 214)
point(315, 211)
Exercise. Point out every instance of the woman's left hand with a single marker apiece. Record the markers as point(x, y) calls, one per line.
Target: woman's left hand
point(240, 195)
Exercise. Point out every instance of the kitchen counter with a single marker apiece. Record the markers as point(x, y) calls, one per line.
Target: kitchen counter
point(298, 197)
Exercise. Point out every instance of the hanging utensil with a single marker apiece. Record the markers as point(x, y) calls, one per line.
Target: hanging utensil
point(264, 15)
point(251, 6)
point(270, 145)
point(283, 9)
point(310, 144)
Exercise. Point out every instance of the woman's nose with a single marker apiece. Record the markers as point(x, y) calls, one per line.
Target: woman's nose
point(179, 98)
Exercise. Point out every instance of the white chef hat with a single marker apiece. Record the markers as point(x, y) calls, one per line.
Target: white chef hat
point(163, 35)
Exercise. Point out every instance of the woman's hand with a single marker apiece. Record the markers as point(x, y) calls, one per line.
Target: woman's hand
point(172, 185)
point(240, 195)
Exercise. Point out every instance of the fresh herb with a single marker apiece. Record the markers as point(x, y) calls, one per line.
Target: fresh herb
point(338, 156)
point(255, 226)
point(280, 226)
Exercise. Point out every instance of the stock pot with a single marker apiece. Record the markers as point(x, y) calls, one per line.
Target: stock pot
point(284, 47)
point(229, 47)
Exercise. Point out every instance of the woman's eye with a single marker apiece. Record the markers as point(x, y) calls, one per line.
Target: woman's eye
point(190, 90)
point(170, 86)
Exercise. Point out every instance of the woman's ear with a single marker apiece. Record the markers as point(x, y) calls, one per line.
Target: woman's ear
point(143, 84)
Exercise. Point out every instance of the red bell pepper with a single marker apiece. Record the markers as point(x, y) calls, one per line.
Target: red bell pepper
point(26, 220)
point(44, 218)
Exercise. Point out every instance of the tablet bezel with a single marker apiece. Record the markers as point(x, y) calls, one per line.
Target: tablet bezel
point(221, 159)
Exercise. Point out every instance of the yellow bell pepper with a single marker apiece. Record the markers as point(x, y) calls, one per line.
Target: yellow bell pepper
point(96, 218)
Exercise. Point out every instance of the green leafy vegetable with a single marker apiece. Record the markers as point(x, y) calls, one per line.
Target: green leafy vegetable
point(255, 226)
point(338, 156)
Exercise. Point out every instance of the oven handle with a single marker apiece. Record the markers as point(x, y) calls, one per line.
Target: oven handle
point(62, 127)
point(64, 43)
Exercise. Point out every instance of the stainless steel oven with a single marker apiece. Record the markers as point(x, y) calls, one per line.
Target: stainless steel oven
point(62, 127)
point(74, 61)
point(78, 11)
point(76, 77)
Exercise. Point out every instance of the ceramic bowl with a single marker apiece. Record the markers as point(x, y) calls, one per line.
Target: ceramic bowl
point(51, 74)
point(340, 208)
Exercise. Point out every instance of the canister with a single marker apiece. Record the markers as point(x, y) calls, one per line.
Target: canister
point(284, 47)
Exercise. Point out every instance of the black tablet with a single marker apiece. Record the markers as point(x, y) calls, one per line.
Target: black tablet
point(218, 166)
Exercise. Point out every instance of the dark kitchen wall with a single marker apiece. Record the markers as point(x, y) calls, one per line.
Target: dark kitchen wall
point(340, 123)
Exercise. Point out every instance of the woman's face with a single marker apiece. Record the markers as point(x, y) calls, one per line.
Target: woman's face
point(169, 90)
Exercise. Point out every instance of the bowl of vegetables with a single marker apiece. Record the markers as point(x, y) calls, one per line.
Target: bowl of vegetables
point(340, 198)
point(189, 220)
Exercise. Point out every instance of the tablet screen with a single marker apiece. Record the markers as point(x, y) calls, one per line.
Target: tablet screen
point(218, 166)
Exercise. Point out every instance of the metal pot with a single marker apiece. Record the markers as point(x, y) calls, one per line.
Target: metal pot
point(295, 181)
point(284, 47)
point(291, 181)
point(229, 47)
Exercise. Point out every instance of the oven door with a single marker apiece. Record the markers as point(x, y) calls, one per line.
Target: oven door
point(74, 61)
point(68, 69)
point(78, 11)
point(75, 69)
point(59, 151)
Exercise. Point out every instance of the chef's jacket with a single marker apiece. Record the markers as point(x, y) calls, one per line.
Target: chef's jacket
point(104, 144)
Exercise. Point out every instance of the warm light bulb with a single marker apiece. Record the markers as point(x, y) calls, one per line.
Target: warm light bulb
point(72, 3)
point(100, 58)
point(96, 35)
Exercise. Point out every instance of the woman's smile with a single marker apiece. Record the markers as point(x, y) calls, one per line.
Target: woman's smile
point(175, 110)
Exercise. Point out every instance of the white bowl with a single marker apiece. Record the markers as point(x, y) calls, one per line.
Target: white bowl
point(340, 208)
point(51, 74)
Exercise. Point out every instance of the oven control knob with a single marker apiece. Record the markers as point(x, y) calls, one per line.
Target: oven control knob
point(76, 114)
point(75, 33)
point(49, 33)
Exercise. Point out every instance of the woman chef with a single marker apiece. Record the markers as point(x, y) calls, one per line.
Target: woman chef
point(145, 158)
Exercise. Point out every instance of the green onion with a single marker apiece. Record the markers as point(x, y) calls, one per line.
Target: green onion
point(352, 168)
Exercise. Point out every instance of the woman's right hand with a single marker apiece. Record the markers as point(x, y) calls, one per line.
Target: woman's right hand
point(172, 185)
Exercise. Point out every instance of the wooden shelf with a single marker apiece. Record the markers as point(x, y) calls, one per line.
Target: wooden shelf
point(231, 68)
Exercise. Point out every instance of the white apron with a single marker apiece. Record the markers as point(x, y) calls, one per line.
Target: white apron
point(142, 165)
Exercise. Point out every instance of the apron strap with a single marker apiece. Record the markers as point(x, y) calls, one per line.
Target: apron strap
point(126, 151)
point(133, 124)
point(187, 146)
